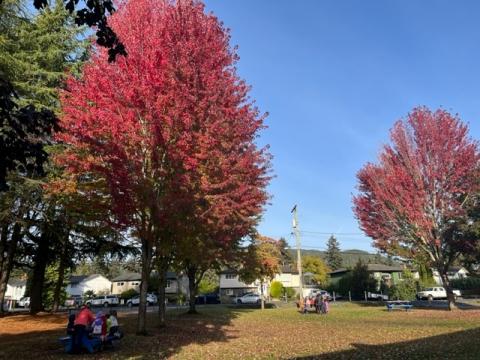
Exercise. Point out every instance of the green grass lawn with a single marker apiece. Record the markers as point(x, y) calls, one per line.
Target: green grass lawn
point(220, 332)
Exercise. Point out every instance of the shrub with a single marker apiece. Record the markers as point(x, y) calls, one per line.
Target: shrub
point(181, 298)
point(290, 292)
point(276, 289)
point(406, 289)
point(469, 283)
point(128, 294)
point(89, 294)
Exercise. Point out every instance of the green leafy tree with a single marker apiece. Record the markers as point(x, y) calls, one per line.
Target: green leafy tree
point(39, 53)
point(406, 289)
point(49, 296)
point(209, 282)
point(128, 294)
point(276, 289)
point(89, 294)
point(318, 268)
point(361, 281)
point(333, 255)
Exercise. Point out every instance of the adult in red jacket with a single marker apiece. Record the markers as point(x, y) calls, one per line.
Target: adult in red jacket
point(82, 321)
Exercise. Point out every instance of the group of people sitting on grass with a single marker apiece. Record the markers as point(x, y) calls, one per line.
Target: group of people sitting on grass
point(91, 333)
point(319, 303)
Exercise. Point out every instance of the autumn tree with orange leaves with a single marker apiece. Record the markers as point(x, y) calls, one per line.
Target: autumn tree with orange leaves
point(415, 201)
point(171, 131)
point(261, 261)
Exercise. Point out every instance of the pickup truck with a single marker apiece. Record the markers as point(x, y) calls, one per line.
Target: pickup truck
point(436, 293)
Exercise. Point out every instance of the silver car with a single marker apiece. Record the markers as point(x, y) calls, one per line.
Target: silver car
point(249, 298)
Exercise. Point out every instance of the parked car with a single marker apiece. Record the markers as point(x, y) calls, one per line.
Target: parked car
point(24, 302)
point(212, 298)
point(437, 292)
point(376, 296)
point(314, 293)
point(151, 300)
point(104, 300)
point(249, 298)
point(74, 301)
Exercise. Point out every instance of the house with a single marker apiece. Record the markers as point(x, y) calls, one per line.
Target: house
point(387, 274)
point(126, 282)
point(453, 273)
point(79, 284)
point(176, 284)
point(231, 286)
point(15, 289)
point(289, 277)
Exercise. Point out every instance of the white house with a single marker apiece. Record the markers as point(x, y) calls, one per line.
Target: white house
point(15, 289)
point(97, 283)
point(231, 286)
point(453, 273)
point(289, 278)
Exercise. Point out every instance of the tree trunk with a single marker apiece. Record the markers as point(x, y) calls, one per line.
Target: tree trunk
point(142, 307)
point(448, 288)
point(61, 274)
point(192, 288)
point(262, 298)
point(9, 249)
point(38, 276)
point(162, 283)
point(3, 244)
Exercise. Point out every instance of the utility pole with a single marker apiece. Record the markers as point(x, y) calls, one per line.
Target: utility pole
point(296, 230)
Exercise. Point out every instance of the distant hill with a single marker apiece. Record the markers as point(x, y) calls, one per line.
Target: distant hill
point(349, 257)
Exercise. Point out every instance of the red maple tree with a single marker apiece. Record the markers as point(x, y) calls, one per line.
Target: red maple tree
point(171, 130)
point(414, 201)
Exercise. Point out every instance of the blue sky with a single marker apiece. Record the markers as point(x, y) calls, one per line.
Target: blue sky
point(334, 76)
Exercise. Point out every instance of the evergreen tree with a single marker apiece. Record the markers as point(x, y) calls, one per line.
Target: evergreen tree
point(333, 255)
point(44, 50)
point(35, 54)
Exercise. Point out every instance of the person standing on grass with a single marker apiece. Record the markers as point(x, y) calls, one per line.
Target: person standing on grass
point(318, 303)
point(82, 322)
point(307, 304)
point(325, 305)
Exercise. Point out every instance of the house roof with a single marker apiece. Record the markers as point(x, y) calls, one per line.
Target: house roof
point(384, 268)
point(75, 279)
point(455, 269)
point(288, 269)
point(228, 271)
point(128, 277)
point(171, 275)
point(17, 282)
point(339, 271)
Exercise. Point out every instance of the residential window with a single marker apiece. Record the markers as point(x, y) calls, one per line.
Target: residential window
point(230, 276)
point(229, 292)
point(169, 283)
point(119, 283)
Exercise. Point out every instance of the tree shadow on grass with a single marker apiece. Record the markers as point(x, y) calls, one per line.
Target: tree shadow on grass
point(456, 345)
point(212, 324)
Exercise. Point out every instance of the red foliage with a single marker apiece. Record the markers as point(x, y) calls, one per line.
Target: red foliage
point(411, 201)
point(170, 127)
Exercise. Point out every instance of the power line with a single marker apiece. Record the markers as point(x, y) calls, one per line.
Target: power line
point(331, 233)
